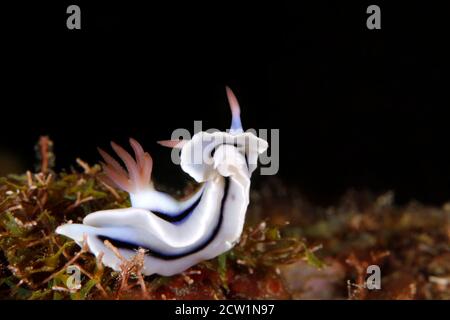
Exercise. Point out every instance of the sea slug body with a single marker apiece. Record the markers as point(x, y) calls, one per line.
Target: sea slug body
point(176, 234)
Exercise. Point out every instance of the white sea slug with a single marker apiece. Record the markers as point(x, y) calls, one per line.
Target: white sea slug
point(177, 234)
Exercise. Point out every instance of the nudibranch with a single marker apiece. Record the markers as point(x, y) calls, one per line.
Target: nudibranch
point(176, 234)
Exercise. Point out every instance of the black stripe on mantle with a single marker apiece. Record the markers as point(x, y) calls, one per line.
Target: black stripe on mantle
point(131, 246)
point(180, 216)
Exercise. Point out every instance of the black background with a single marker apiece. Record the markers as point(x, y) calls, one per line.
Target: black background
point(356, 108)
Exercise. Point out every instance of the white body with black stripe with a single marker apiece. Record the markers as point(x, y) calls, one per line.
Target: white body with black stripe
point(177, 234)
